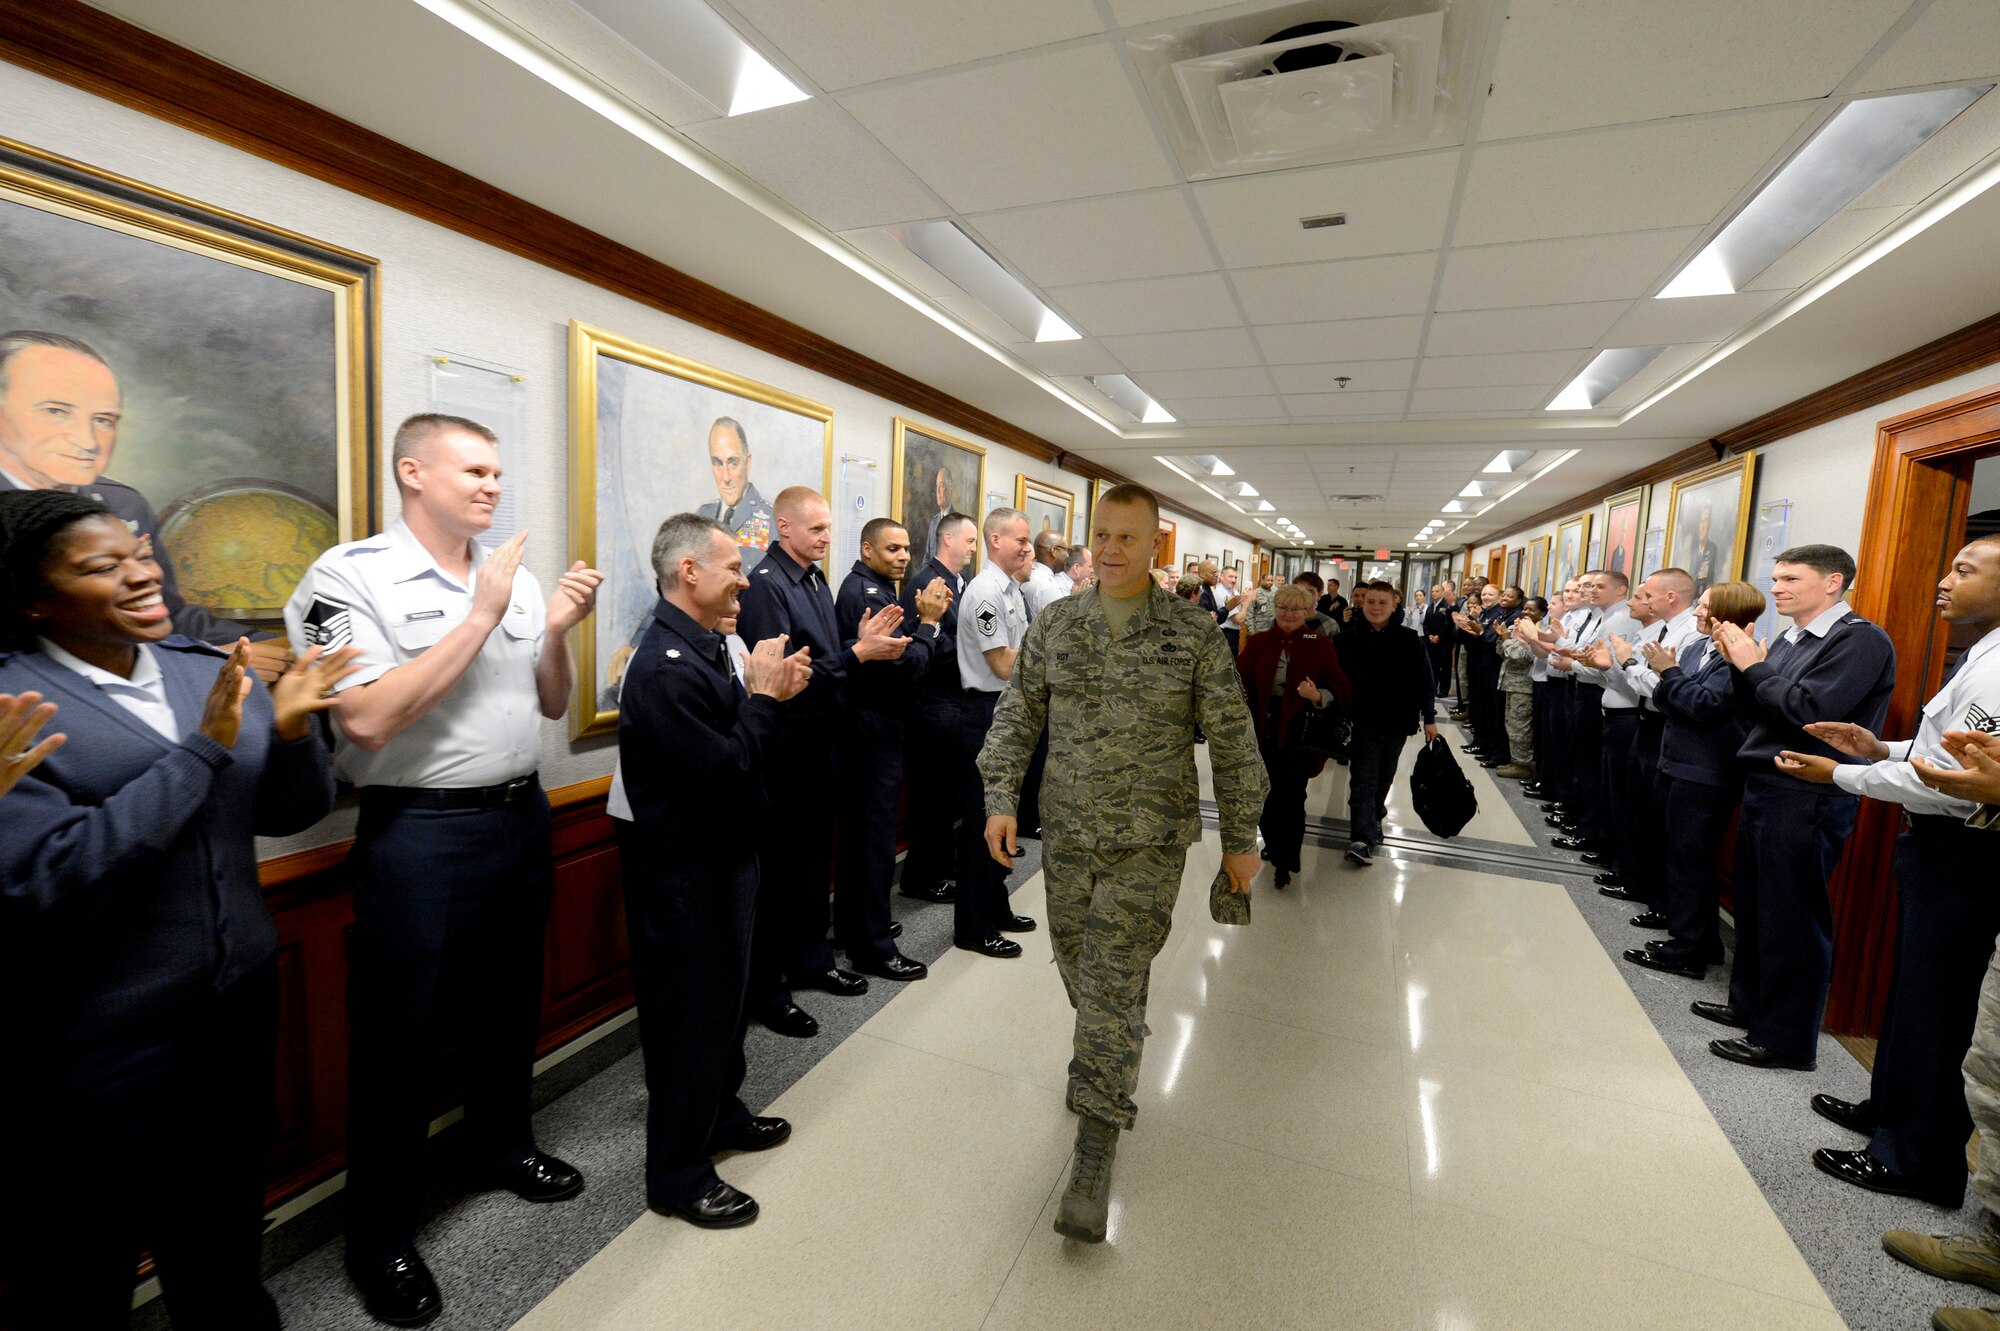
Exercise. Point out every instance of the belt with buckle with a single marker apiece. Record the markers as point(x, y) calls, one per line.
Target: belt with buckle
point(450, 797)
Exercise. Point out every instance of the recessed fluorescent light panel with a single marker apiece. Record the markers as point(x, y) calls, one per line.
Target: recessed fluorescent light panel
point(1606, 373)
point(693, 43)
point(1504, 463)
point(972, 270)
point(1851, 152)
point(1455, 506)
point(1132, 398)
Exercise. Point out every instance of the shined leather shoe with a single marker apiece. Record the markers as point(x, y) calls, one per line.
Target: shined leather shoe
point(1569, 843)
point(759, 1134)
point(1757, 1056)
point(1562, 823)
point(1664, 961)
point(1865, 1171)
point(995, 946)
point(1016, 924)
point(538, 1178)
point(1720, 1013)
point(721, 1207)
point(1607, 879)
point(1597, 859)
point(895, 966)
point(1854, 1117)
point(1651, 919)
point(790, 1019)
point(940, 893)
point(400, 1292)
point(842, 984)
point(1619, 893)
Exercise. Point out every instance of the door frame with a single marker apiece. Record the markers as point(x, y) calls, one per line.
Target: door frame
point(1915, 493)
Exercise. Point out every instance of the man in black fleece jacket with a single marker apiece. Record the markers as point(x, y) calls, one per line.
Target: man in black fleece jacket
point(1386, 663)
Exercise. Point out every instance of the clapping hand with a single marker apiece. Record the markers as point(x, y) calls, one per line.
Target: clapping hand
point(1658, 657)
point(877, 640)
point(308, 687)
point(933, 601)
point(222, 714)
point(1978, 756)
point(20, 720)
point(768, 671)
point(1598, 657)
point(1806, 767)
point(1737, 646)
point(576, 597)
point(1855, 741)
point(493, 588)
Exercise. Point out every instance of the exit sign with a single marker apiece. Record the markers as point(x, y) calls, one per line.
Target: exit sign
point(1381, 554)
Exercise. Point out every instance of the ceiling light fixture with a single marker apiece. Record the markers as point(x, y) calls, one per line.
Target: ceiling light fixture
point(1472, 490)
point(1857, 147)
point(1242, 488)
point(694, 44)
point(1265, 506)
point(1606, 374)
point(1455, 506)
point(1505, 462)
point(1130, 398)
point(946, 247)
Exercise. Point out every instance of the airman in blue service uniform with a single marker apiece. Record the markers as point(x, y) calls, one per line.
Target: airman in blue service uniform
point(440, 729)
point(929, 869)
point(872, 735)
point(686, 724)
point(788, 596)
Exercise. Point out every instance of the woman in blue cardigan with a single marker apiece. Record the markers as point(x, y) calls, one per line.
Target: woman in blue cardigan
point(138, 971)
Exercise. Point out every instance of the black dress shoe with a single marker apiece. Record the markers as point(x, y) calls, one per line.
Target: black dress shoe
point(400, 1292)
point(895, 966)
point(1620, 893)
point(759, 1134)
point(1651, 919)
point(1664, 961)
point(790, 1019)
point(1720, 1013)
point(1491, 762)
point(1551, 806)
point(1282, 877)
point(843, 984)
point(721, 1207)
point(995, 946)
point(1757, 1056)
point(895, 928)
point(538, 1178)
point(1017, 924)
point(940, 893)
point(1608, 879)
point(1569, 843)
point(1865, 1171)
point(1854, 1117)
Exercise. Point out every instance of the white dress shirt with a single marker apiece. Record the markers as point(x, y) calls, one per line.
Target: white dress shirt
point(991, 614)
point(144, 695)
point(1042, 589)
point(1970, 700)
point(1613, 621)
point(1673, 634)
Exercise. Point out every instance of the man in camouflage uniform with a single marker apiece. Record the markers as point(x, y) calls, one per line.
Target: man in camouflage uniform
point(1262, 611)
point(1123, 675)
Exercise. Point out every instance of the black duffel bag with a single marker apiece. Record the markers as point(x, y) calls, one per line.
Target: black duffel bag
point(1325, 732)
point(1442, 796)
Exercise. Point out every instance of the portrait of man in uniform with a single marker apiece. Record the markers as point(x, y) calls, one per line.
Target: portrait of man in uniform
point(933, 474)
point(1708, 521)
point(657, 433)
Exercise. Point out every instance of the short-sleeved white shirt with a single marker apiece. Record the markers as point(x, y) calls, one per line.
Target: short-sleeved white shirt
point(991, 613)
point(387, 596)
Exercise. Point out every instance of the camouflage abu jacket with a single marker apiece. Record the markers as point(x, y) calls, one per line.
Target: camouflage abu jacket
point(1122, 715)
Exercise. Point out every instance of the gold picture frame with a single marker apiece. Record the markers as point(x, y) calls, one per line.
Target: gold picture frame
point(681, 409)
point(954, 469)
point(1042, 502)
point(1571, 555)
point(247, 366)
point(1621, 522)
point(1696, 540)
point(1538, 565)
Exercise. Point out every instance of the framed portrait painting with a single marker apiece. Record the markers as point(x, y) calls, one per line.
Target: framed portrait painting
point(223, 370)
point(1538, 566)
point(1708, 521)
point(1623, 522)
point(1572, 549)
point(653, 434)
point(1516, 559)
point(1049, 508)
point(932, 474)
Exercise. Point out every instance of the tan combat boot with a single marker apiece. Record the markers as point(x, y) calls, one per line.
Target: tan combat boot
point(1086, 1206)
point(1974, 1259)
point(1966, 1319)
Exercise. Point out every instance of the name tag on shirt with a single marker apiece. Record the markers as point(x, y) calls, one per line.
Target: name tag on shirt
point(423, 614)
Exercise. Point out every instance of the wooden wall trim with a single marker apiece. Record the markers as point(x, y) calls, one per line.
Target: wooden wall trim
point(1955, 353)
point(71, 42)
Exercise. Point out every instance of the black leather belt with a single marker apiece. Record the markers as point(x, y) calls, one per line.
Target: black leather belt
point(450, 797)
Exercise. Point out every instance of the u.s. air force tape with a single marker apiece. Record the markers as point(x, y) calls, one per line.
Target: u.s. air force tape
point(328, 624)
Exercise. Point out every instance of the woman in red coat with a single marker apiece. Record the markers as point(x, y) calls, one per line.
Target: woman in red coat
point(1285, 670)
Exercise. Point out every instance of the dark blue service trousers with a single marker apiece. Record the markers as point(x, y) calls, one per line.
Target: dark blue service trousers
point(795, 859)
point(1586, 747)
point(871, 785)
point(1697, 820)
point(982, 902)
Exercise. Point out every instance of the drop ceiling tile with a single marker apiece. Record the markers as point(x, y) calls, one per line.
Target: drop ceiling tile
point(1207, 410)
point(1688, 319)
point(1635, 177)
point(1561, 272)
point(866, 41)
point(1356, 339)
point(1393, 205)
point(1535, 328)
point(1362, 377)
point(1834, 241)
point(1954, 41)
point(1100, 240)
point(815, 158)
point(1215, 348)
point(1246, 381)
point(1514, 369)
point(1148, 305)
point(1566, 66)
point(889, 253)
point(1354, 289)
point(1080, 357)
point(1343, 405)
point(1950, 153)
point(1006, 135)
point(1479, 400)
point(1129, 12)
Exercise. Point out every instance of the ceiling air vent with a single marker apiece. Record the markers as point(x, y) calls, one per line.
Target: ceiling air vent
point(1315, 82)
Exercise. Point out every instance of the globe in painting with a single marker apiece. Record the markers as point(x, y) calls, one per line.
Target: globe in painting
point(240, 547)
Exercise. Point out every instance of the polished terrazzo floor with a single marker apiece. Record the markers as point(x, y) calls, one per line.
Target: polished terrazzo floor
point(1407, 1095)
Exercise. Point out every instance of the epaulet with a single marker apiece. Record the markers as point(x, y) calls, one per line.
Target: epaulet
point(176, 642)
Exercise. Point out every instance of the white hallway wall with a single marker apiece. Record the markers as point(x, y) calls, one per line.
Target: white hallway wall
point(442, 290)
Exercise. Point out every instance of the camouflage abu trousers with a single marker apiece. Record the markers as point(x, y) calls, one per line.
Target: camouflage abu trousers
point(1521, 727)
point(1982, 1088)
point(1109, 913)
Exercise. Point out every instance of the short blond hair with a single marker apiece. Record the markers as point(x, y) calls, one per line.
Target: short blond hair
point(1292, 595)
